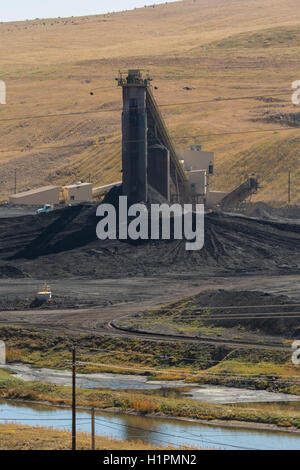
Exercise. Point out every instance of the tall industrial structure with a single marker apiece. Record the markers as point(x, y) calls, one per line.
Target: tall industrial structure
point(149, 158)
point(151, 162)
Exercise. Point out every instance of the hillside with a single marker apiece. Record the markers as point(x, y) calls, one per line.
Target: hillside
point(227, 50)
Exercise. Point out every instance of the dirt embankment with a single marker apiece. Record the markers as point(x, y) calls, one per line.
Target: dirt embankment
point(14, 302)
point(63, 243)
point(252, 317)
point(252, 314)
point(261, 210)
point(228, 298)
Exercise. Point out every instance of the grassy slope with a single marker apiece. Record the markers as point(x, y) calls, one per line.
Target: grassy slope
point(225, 49)
point(20, 437)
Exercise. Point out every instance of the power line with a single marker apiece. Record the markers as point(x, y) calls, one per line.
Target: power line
point(163, 105)
point(40, 419)
point(276, 129)
point(139, 436)
point(172, 371)
point(104, 88)
point(116, 366)
point(42, 116)
point(203, 360)
point(87, 144)
point(157, 357)
point(224, 361)
point(63, 425)
point(23, 149)
point(199, 439)
point(176, 372)
point(96, 144)
point(113, 425)
point(213, 100)
point(141, 429)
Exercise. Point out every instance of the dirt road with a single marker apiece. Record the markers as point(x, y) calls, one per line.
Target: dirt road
point(128, 296)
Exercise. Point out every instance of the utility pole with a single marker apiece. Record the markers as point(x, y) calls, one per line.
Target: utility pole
point(93, 427)
point(289, 187)
point(74, 399)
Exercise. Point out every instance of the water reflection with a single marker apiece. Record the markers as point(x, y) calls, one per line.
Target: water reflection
point(157, 431)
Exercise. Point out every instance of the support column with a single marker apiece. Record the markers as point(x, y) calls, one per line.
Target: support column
point(134, 140)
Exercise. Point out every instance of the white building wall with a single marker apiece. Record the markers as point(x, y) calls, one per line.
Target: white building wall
point(79, 193)
point(197, 159)
point(197, 182)
point(40, 196)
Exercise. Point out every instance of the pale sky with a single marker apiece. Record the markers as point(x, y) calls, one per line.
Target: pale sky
point(15, 10)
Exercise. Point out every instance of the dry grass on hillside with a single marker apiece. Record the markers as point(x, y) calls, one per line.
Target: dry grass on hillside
point(22, 437)
point(225, 49)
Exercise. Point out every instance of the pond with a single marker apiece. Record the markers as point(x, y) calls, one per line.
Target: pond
point(154, 430)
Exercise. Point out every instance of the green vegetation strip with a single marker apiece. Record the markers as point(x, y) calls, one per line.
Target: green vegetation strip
point(261, 369)
point(145, 402)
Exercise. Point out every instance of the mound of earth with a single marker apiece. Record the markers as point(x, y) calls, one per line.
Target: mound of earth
point(261, 213)
point(229, 298)
point(265, 211)
point(247, 316)
point(64, 243)
point(14, 303)
point(9, 271)
point(282, 326)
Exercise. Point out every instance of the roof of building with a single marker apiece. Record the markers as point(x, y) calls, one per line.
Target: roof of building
point(107, 187)
point(35, 191)
point(77, 185)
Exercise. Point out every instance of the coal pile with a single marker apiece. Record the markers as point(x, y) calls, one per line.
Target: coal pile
point(11, 272)
point(63, 243)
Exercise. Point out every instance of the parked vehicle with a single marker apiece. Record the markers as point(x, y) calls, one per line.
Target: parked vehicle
point(46, 208)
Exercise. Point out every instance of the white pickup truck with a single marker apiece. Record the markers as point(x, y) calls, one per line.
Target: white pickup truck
point(46, 208)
